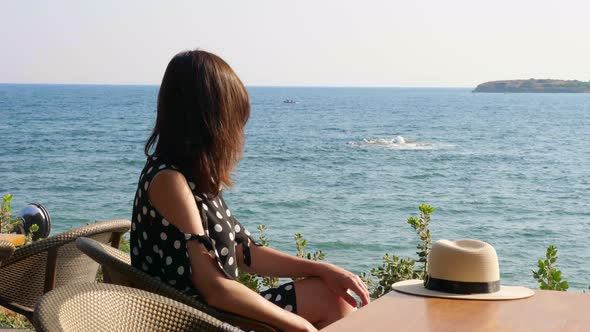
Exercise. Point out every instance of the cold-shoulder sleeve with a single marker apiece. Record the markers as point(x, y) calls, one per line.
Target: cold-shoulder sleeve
point(241, 234)
point(209, 244)
point(244, 237)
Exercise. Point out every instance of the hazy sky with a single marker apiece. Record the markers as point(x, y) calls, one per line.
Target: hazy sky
point(449, 43)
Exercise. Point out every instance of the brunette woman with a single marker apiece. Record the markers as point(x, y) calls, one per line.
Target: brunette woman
point(183, 232)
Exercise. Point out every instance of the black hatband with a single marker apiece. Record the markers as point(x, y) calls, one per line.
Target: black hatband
point(461, 287)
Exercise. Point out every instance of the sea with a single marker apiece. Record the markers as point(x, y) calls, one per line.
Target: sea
point(345, 167)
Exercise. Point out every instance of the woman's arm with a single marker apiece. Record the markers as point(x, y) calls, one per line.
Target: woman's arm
point(170, 194)
point(270, 262)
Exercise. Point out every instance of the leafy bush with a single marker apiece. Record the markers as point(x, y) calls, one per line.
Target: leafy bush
point(256, 283)
point(301, 243)
point(394, 268)
point(267, 282)
point(8, 224)
point(13, 320)
point(420, 225)
point(547, 275)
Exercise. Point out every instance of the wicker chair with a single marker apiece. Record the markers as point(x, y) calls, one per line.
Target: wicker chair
point(35, 269)
point(117, 269)
point(101, 307)
point(6, 249)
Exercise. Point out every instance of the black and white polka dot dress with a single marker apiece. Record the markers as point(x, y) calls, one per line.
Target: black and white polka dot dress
point(159, 248)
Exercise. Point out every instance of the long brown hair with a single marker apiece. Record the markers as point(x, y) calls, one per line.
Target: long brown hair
point(202, 110)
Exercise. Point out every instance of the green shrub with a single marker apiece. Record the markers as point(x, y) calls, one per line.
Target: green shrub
point(257, 283)
point(547, 275)
point(393, 268)
point(267, 282)
point(8, 224)
point(301, 243)
point(13, 320)
point(420, 225)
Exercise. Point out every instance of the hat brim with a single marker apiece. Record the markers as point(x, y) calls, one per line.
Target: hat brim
point(416, 287)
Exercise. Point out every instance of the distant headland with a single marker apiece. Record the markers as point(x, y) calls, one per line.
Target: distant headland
point(535, 86)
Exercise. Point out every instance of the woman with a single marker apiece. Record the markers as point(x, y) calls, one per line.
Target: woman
point(182, 230)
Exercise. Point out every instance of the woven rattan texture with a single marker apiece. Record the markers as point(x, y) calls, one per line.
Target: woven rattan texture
point(22, 276)
point(118, 265)
point(104, 307)
point(6, 249)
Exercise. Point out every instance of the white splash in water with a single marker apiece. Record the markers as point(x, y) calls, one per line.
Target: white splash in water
point(399, 143)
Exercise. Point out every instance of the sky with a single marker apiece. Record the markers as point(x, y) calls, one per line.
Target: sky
point(444, 43)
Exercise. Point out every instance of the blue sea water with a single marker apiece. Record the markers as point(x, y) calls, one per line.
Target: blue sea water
point(344, 166)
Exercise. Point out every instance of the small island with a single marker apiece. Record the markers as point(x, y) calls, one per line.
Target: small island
point(535, 86)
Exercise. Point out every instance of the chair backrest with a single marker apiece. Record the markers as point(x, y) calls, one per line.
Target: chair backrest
point(117, 269)
point(35, 269)
point(102, 307)
point(6, 250)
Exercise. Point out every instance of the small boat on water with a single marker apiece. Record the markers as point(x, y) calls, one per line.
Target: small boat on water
point(290, 101)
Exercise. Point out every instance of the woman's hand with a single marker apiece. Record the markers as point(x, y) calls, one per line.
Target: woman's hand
point(340, 281)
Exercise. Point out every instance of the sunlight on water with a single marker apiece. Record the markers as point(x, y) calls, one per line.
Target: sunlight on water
point(400, 143)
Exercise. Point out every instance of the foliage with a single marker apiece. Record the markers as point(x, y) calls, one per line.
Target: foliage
point(393, 268)
point(257, 282)
point(268, 282)
point(547, 275)
point(249, 280)
point(421, 227)
point(8, 224)
point(125, 245)
point(13, 320)
point(301, 243)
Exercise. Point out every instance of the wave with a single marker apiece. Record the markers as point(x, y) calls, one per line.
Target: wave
point(399, 143)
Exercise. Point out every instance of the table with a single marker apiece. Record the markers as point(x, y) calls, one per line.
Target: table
point(545, 311)
point(15, 239)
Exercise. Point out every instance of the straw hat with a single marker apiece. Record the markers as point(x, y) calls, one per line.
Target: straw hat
point(462, 269)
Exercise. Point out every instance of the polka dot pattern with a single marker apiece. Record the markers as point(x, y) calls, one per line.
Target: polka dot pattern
point(164, 251)
point(283, 296)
